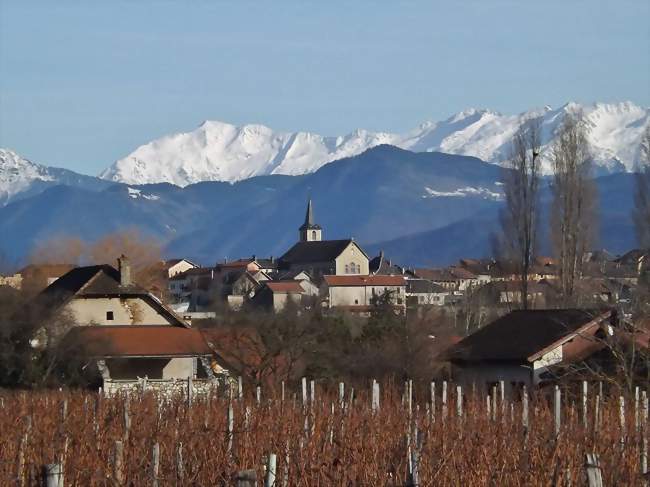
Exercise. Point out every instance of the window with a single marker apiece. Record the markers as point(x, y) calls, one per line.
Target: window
point(109, 316)
point(356, 301)
point(313, 235)
point(347, 269)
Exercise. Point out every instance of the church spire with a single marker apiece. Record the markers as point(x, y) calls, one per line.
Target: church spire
point(309, 217)
point(310, 231)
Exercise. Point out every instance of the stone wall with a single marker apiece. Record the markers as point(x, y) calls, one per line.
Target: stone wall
point(170, 387)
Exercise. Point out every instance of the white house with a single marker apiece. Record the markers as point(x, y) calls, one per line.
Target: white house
point(358, 293)
point(176, 266)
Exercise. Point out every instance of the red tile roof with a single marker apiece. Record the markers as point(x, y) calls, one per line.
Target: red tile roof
point(138, 341)
point(375, 280)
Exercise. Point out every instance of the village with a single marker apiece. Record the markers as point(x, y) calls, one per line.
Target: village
point(181, 329)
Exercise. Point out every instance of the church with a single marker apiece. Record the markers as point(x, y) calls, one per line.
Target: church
point(320, 257)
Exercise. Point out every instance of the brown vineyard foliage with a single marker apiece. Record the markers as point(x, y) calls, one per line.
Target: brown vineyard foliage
point(320, 444)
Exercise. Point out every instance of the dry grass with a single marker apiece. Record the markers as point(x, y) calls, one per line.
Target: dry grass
point(350, 446)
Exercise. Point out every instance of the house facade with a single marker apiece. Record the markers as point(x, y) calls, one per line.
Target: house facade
point(102, 295)
point(359, 292)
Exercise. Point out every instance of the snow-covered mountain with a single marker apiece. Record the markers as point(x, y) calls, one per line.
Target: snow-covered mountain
point(20, 177)
point(218, 151)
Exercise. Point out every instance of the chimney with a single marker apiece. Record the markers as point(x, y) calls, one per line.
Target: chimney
point(125, 271)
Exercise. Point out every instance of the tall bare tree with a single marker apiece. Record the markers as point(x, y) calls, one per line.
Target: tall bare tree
point(642, 194)
point(573, 216)
point(519, 217)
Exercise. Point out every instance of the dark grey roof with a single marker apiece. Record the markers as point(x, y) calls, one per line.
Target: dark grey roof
point(320, 251)
point(383, 266)
point(632, 257)
point(291, 275)
point(422, 286)
point(520, 334)
point(71, 283)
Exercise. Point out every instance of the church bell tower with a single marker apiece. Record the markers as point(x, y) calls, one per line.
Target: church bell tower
point(309, 231)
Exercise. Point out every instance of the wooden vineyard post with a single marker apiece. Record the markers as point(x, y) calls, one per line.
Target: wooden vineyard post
point(621, 413)
point(502, 393)
point(269, 480)
point(414, 460)
point(282, 393)
point(409, 399)
point(341, 395)
point(258, 395)
point(64, 410)
point(433, 401)
point(494, 403)
point(118, 462)
point(459, 401)
point(22, 451)
point(304, 392)
point(444, 400)
point(594, 474)
point(231, 426)
point(375, 396)
point(312, 392)
point(584, 403)
point(487, 407)
point(53, 475)
point(155, 464)
point(636, 409)
point(127, 420)
point(557, 405)
point(524, 411)
point(180, 469)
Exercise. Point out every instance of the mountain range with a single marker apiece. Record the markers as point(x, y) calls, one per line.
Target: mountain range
point(425, 208)
point(218, 151)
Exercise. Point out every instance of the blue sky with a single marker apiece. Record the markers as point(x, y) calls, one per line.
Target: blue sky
point(84, 83)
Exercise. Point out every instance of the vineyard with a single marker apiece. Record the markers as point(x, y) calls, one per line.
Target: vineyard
point(416, 434)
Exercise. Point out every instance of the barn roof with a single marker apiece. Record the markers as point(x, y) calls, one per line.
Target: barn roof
point(139, 341)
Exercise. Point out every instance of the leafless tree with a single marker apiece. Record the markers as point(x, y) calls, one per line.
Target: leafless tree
point(519, 218)
point(573, 216)
point(641, 213)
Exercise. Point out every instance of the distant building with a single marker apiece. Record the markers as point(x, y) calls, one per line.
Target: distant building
point(176, 266)
point(320, 257)
point(359, 293)
point(36, 277)
point(420, 292)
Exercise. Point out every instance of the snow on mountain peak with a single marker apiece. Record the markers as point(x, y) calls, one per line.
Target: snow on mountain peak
point(224, 152)
point(17, 173)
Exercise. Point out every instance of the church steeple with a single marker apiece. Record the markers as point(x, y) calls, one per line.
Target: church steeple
point(309, 231)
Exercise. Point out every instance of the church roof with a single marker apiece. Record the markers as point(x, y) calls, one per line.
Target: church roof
point(316, 251)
